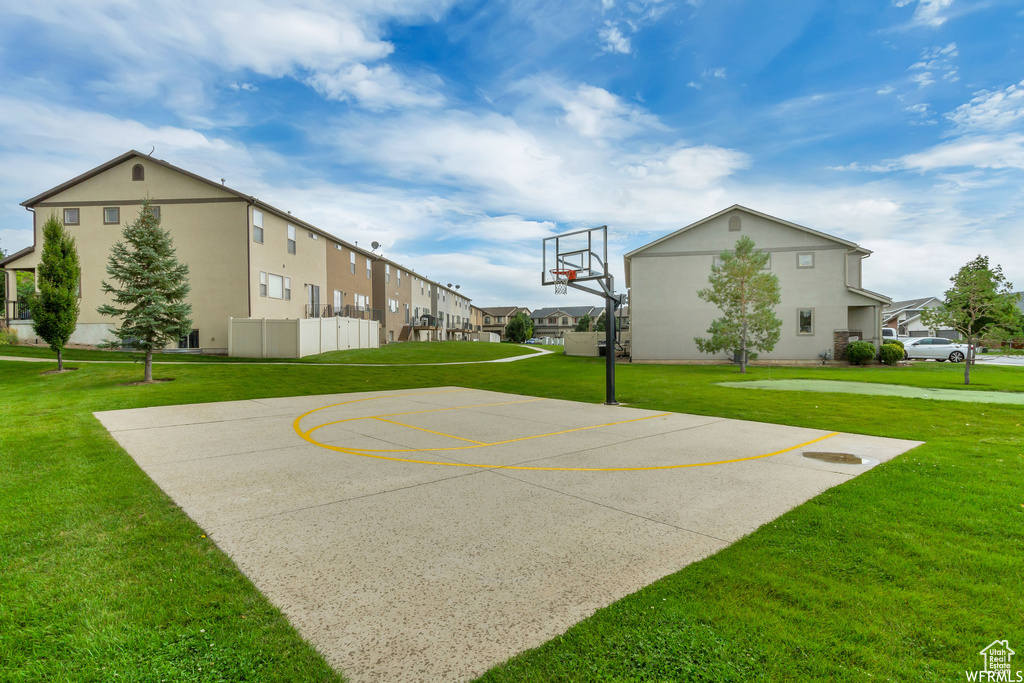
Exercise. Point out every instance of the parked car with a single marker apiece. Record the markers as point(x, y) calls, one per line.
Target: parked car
point(889, 335)
point(937, 348)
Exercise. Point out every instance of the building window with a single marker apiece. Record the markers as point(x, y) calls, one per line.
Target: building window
point(805, 321)
point(337, 301)
point(70, 216)
point(337, 246)
point(287, 289)
point(190, 341)
point(387, 272)
point(291, 239)
point(263, 283)
point(111, 215)
point(805, 260)
point(734, 224)
point(406, 313)
point(139, 173)
point(399, 274)
point(312, 235)
point(367, 269)
point(565, 321)
point(421, 286)
point(155, 210)
point(551, 321)
point(352, 262)
point(257, 226)
point(275, 286)
point(487, 320)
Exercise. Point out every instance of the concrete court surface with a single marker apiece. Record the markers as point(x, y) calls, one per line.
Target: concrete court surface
point(429, 534)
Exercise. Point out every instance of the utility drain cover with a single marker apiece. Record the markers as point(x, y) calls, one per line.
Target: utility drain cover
point(841, 458)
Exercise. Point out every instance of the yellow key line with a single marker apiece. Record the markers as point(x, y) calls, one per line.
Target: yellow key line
point(370, 453)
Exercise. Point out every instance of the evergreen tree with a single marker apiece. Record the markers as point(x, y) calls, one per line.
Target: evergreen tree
point(3, 286)
point(584, 324)
point(602, 321)
point(746, 295)
point(150, 299)
point(980, 304)
point(55, 307)
point(519, 328)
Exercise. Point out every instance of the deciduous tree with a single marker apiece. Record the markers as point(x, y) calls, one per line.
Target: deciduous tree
point(584, 324)
point(746, 294)
point(149, 298)
point(55, 307)
point(981, 303)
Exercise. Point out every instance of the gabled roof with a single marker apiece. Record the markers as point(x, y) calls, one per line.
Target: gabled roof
point(737, 207)
point(16, 255)
point(504, 311)
point(263, 206)
point(908, 305)
point(574, 311)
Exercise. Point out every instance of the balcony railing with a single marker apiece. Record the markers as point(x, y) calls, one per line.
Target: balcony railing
point(349, 311)
point(21, 310)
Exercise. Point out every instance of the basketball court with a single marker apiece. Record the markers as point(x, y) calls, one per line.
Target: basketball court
point(429, 534)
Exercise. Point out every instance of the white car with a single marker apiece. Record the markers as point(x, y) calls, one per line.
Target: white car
point(936, 348)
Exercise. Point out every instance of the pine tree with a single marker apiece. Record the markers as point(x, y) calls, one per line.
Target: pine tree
point(150, 300)
point(584, 324)
point(55, 307)
point(746, 295)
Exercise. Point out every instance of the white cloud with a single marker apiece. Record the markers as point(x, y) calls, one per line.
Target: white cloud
point(319, 42)
point(614, 41)
point(935, 62)
point(975, 151)
point(716, 72)
point(928, 13)
point(597, 113)
point(991, 111)
point(375, 88)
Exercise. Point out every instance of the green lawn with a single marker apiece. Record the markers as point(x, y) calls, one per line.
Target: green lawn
point(404, 353)
point(904, 573)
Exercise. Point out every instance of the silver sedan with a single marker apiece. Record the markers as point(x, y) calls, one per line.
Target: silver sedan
point(936, 348)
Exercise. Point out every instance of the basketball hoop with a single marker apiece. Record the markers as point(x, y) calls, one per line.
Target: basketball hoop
point(562, 277)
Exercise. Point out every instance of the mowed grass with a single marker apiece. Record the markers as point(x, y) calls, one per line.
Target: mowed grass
point(904, 573)
point(398, 353)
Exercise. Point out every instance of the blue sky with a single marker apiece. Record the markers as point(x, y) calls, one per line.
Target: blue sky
point(458, 134)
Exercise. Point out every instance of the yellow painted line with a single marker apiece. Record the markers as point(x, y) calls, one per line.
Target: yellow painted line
point(370, 453)
point(430, 431)
point(411, 412)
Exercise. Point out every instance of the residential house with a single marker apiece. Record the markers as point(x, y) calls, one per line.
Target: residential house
point(393, 294)
point(555, 322)
point(824, 305)
point(495, 319)
point(905, 318)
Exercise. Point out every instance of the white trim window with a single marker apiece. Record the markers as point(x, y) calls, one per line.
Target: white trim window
point(291, 239)
point(352, 262)
point(387, 272)
point(263, 283)
point(275, 286)
point(257, 226)
point(337, 301)
point(287, 289)
point(368, 269)
point(805, 259)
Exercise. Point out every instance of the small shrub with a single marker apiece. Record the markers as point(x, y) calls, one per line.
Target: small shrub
point(897, 342)
point(892, 353)
point(7, 336)
point(860, 352)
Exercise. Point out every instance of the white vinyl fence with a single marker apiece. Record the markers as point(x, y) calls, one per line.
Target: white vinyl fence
point(263, 338)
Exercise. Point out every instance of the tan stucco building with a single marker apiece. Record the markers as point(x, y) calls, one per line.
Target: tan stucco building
point(247, 259)
point(824, 304)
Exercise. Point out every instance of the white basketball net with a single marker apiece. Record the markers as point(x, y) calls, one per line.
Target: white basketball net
point(561, 284)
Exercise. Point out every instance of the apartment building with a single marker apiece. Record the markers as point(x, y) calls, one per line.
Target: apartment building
point(247, 259)
point(555, 322)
